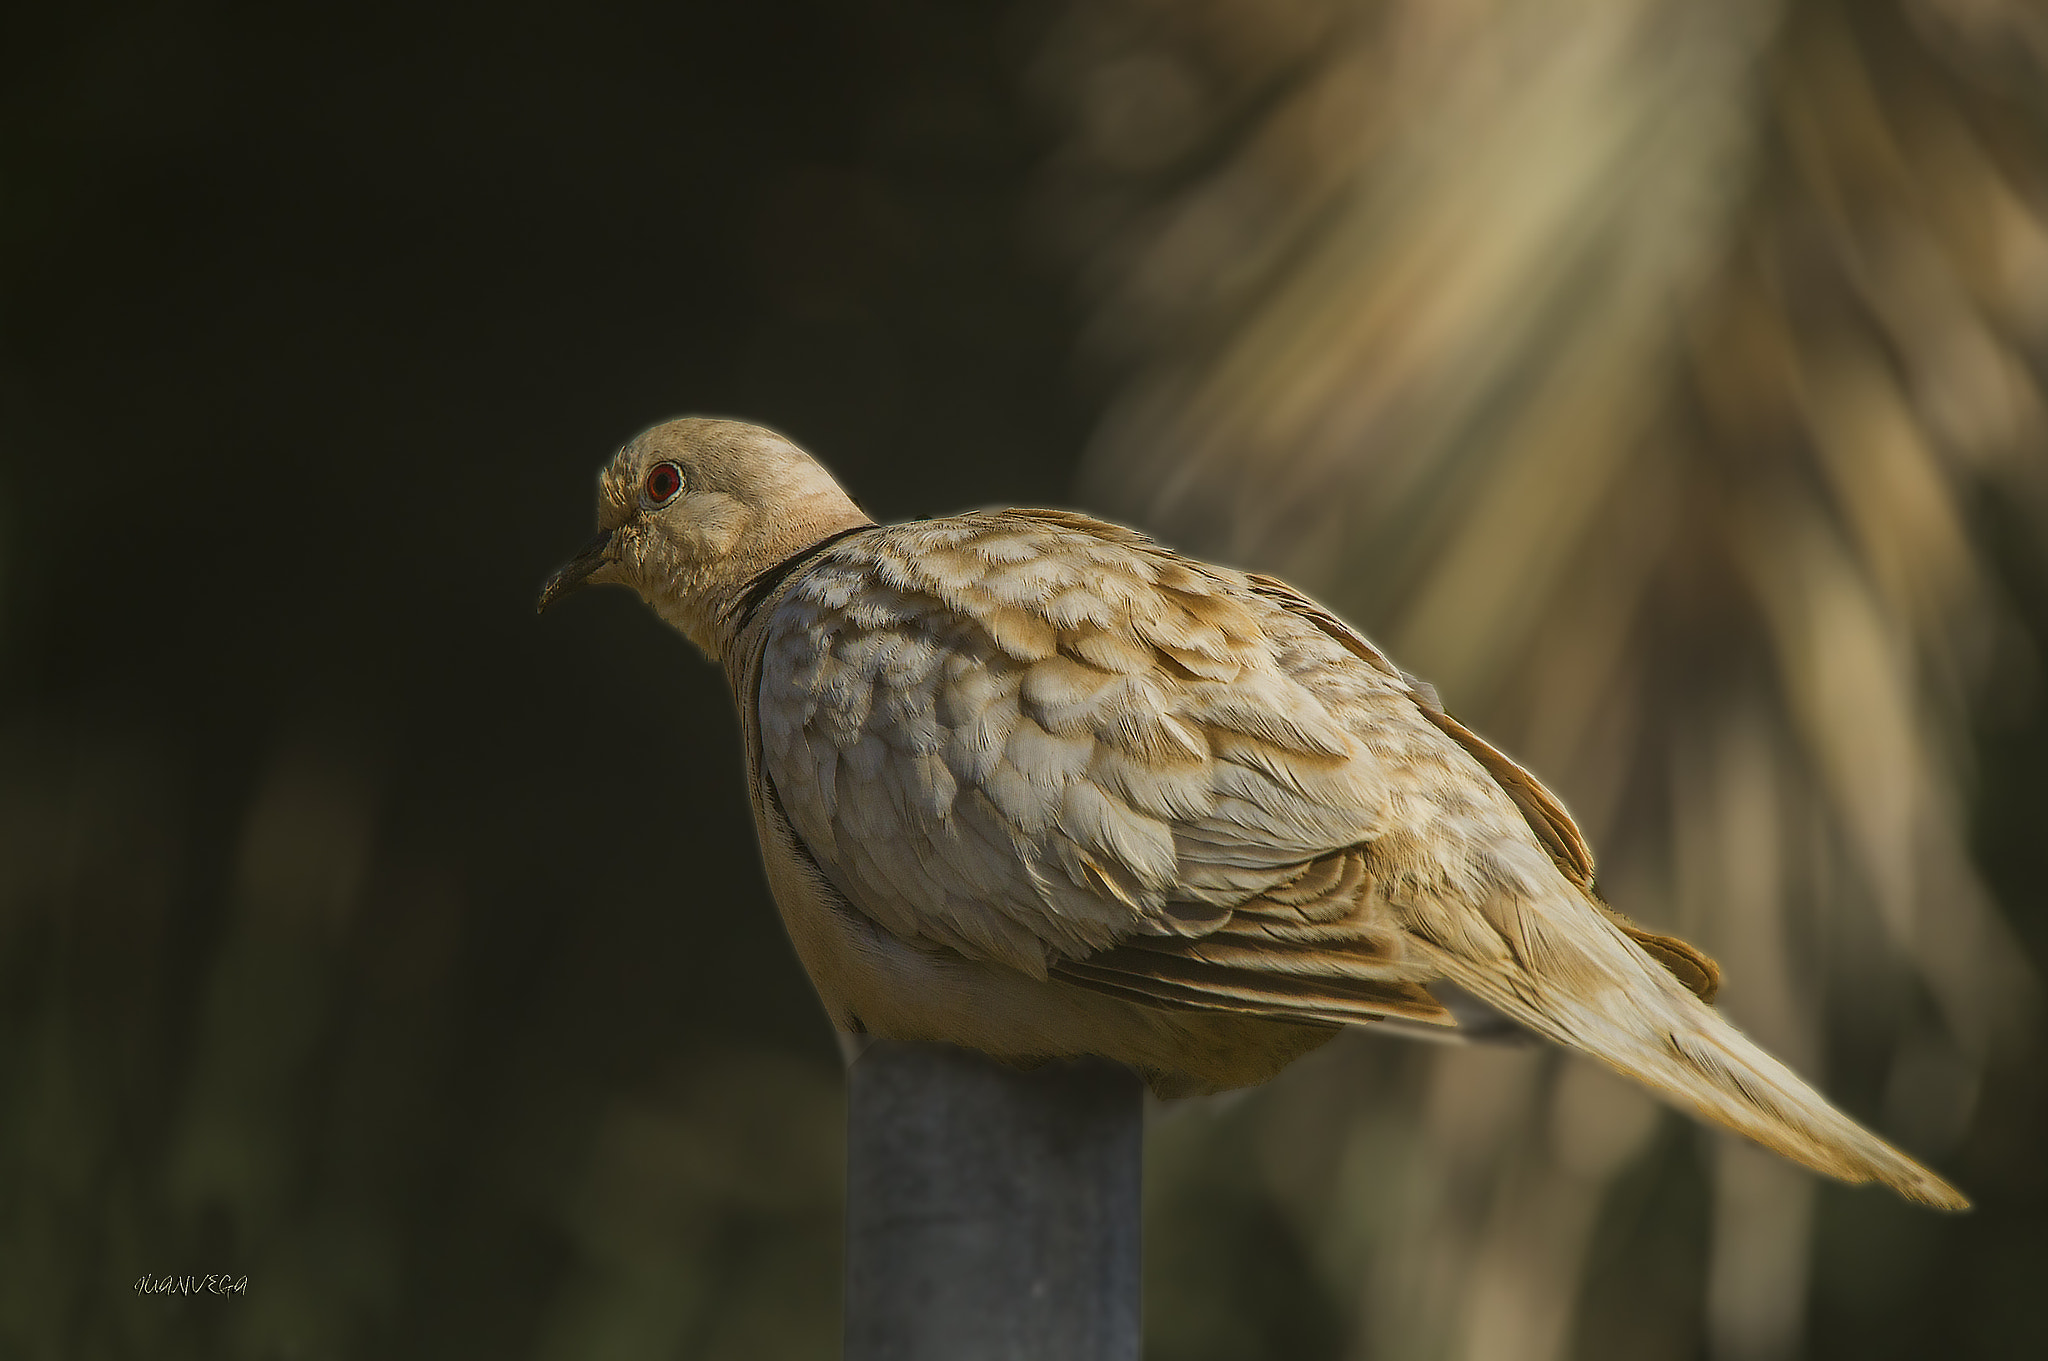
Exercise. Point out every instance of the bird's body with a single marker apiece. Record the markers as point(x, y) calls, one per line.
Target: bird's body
point(1031, 783)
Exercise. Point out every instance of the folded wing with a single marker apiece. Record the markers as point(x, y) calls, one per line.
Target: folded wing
point(1042, 740)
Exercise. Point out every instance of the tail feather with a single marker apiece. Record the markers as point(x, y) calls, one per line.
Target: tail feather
point(1594, 990)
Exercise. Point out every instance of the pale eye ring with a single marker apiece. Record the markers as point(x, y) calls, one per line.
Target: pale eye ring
point(664, 480)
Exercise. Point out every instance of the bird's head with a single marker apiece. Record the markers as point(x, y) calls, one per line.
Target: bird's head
point(693, 511)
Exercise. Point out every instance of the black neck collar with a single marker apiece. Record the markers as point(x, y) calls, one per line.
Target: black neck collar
point(766, 583)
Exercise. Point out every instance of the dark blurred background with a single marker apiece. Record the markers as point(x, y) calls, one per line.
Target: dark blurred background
point(346, 940)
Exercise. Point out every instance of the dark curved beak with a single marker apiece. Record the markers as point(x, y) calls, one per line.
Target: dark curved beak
point(574, 574)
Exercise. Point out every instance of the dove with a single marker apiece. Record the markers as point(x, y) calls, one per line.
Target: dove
point(1033, 784)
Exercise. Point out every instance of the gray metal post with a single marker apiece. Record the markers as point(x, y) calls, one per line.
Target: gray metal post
point(991, 1214)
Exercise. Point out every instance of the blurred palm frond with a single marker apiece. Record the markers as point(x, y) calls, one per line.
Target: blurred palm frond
point(1638, 373)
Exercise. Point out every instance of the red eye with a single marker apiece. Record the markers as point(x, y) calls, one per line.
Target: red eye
point(663, 481)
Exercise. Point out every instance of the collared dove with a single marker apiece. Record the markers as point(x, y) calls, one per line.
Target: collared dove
point(1033, 784)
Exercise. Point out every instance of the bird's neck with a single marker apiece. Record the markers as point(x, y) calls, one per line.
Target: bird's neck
point(716, 610)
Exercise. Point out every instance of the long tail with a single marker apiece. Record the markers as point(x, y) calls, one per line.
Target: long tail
point(1572, 977)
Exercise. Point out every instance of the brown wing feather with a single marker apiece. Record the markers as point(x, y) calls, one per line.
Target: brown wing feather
point(1322, 944)
point(1540, 808)
point(1179, 977)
